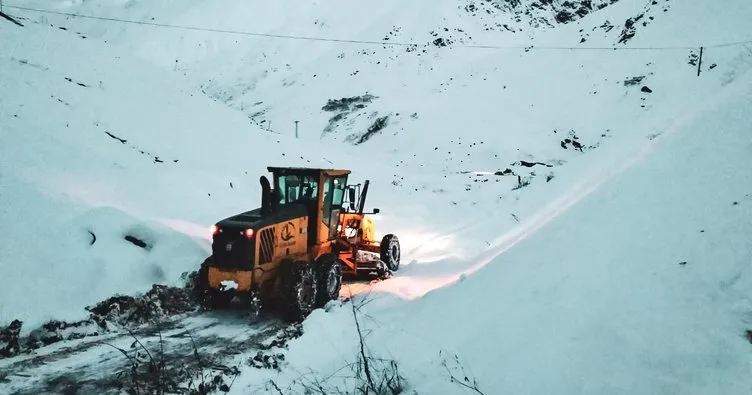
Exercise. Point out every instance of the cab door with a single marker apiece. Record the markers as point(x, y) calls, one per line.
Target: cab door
point(334, 195)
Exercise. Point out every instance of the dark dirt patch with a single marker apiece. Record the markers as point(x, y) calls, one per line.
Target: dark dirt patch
point(536, 13)
point(264, 360)
point(574, 142)
point(153, 363)
point(109, 315)
point(138, 242)
point(10, 18)
point(441, 42)
point(123, 141)
point(642, 19)
point(607, 26)
point(378, 125)
point(522, 182)
point(268, 357)
point(26, 62)
point(196, 366)
point(75, 82)
point(287, 333)
point(55, 331)
point(66, 384)
point(505, 172)
point(634, 80)
point(345, 107)
point(9, 339)
point(531, 164)
point(127, 311)
point(168, 357)
point(93, 237)
point(155, 158)
point(182, 370)
point(347, 103)
point(336, 118)
point(571, 142)
point(629, 30)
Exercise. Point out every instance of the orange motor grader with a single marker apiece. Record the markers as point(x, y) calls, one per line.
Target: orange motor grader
point(293, 251)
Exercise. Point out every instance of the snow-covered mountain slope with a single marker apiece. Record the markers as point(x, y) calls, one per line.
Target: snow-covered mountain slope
point(560, 181)
point(474, 90)
point(434, 111)
point(642, 286)
point(95, 147)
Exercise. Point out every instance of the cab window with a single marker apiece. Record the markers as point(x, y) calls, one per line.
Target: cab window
point(296, 189)
point(338, 195)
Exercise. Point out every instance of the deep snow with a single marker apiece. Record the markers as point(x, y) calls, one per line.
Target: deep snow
point(580, 267)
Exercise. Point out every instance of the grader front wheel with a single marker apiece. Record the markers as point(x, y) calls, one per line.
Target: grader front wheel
point(329, 273)
point(390, 252)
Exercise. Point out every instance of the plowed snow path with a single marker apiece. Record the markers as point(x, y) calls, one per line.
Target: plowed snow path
point(92, 365)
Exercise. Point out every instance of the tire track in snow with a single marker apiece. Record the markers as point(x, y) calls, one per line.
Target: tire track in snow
point(92, 365)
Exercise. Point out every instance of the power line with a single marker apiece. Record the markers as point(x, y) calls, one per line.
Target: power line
point(195, 28)
point(370, 42)
point(730, 44)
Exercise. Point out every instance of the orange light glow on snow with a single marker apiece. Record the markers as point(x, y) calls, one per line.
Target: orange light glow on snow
point(412, 287)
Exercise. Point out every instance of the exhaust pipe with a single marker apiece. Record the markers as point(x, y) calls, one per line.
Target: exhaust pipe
point(362, 200)
point(266, 196)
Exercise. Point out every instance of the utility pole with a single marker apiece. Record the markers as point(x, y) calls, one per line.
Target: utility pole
point(296, 129)
point(1, 5)
point(699, 63)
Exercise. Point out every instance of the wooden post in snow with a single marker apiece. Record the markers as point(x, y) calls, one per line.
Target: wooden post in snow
point(699, 63)
point(296, 129)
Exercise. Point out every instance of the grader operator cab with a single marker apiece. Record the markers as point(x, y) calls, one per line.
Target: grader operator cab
point(293, 251)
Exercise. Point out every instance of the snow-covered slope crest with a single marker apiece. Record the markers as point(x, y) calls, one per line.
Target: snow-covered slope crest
point(641, 287)
point(276, 81)
point(408, 105)
point(537, 13)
